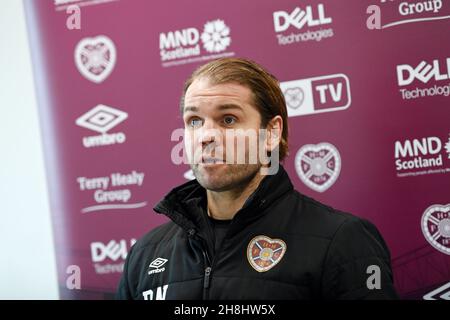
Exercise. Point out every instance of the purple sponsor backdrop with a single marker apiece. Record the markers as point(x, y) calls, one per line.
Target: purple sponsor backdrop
point(367, 85)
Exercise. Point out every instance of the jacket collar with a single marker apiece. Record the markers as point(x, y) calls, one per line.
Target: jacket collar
point(186, 203)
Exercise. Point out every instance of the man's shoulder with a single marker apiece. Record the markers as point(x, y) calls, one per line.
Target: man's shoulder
point(158, 235)
point(322, 220)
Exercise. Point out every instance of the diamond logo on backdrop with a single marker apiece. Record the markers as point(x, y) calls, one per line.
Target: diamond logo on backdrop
point(101, 118)
point(294, 97)
point(216, 36)
point(441, 293)
point(318, 166)
point(95, 58)
point(436, 227)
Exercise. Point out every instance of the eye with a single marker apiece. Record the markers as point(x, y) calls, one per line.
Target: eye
point(229, 120)
point(195, 122)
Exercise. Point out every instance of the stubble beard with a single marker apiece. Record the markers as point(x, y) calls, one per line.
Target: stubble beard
point(226, 177)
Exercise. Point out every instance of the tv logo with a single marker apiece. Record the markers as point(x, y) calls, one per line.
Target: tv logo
point(423, 72)
point(112, 250)
point(298, 18)
point(317, 95)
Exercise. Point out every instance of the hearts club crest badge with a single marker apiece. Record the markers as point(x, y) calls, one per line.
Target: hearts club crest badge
point(264, 253)
point(95, 58)
point(318, 166)
point(436, 227)
point(294, 97)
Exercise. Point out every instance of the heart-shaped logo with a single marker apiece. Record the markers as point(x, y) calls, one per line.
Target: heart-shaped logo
point(294, 97)
point(95, 58)
point(436, 227)
point(264, 253)
point(318, 166)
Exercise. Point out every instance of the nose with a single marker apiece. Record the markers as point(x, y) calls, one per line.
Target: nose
point(208, 133)
point(207, 141)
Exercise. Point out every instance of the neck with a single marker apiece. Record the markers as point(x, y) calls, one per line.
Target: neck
point(224, 205)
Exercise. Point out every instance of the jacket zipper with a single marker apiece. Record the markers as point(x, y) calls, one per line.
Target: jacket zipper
point(208, 266)
point(206, 282)
point(207, 263)
point(207, 273)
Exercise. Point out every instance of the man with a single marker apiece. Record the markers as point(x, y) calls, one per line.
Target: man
point(240, 230)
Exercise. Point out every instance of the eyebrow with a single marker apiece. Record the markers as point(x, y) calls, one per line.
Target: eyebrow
point(228, 106)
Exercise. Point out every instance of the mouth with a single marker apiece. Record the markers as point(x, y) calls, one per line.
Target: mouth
point(211, 161)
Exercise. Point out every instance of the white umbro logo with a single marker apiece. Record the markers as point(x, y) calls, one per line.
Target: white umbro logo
point(441, 293)
point(156, 265)
point(101, 118)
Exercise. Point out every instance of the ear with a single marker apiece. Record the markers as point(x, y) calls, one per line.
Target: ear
point(274, 129)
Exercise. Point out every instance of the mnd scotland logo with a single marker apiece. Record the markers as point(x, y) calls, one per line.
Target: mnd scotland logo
point(422, 156)
point(189, 45)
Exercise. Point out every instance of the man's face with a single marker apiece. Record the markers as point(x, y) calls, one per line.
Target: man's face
point(214, 117)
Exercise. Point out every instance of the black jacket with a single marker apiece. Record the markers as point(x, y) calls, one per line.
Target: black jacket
point(280, 245)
